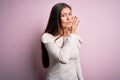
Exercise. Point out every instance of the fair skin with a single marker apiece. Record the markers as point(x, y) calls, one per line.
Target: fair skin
point(68, 22)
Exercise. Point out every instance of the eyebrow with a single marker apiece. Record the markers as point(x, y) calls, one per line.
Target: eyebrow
point(66, 13)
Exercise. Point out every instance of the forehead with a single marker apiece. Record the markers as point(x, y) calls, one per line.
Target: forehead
point(66, 10)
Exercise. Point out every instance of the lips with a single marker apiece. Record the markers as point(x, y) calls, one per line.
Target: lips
point(68, 23)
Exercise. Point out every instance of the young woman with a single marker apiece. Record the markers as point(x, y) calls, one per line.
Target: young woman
point(60, 45)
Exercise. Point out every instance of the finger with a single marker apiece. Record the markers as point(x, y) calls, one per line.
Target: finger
point(75, 20)
point(72, 17)
point(77, 23)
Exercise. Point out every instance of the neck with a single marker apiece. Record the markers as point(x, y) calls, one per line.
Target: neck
point(63, 32)
point(66, 32)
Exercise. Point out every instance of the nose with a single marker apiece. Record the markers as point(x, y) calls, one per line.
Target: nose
point(68, 17)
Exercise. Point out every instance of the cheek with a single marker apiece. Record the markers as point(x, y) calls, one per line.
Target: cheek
point(70, 17)
point(63, 20)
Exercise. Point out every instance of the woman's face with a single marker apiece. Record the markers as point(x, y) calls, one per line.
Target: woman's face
point(66, 17)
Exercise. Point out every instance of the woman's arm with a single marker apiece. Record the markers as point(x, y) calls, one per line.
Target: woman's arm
point(61, 54)
point(79, 69)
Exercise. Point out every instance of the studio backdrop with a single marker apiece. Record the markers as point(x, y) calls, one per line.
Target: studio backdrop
point(22, 23)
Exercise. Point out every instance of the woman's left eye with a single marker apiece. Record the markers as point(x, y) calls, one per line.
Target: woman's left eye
point(70, 14)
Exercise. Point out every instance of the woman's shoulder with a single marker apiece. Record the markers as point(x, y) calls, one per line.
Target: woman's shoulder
point(47, 37)
point(47, 34)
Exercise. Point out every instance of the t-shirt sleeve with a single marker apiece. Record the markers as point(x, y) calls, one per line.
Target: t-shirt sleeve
point(47, 38)
point(78, 65)
point(79, 69)
point(60, 54)
point(79, 40)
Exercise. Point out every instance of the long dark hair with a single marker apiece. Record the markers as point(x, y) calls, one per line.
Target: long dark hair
point(53, 26)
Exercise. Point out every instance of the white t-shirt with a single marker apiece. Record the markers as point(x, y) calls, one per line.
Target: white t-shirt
point(63, 56)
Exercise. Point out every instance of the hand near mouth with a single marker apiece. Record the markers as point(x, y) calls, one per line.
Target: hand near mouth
point(74, 26)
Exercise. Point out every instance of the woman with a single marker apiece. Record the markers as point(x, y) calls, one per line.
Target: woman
point(60, 45)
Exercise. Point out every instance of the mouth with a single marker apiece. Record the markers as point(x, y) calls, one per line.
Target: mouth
point(68, 23)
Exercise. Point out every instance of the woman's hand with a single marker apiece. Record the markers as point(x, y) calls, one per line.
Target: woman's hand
point(74, 26)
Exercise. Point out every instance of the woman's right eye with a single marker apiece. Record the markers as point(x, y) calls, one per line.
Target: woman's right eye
point(62, 15)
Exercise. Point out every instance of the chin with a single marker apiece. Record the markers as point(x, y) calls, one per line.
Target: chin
point(68, 26)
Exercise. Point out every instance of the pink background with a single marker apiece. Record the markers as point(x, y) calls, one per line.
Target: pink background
point(23, 21)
